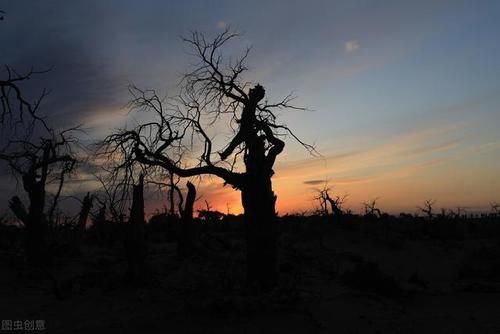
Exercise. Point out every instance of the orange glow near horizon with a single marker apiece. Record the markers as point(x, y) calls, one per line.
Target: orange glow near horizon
point(400, 173)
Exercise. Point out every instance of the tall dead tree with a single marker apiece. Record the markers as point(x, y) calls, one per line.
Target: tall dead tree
point(39, 165)
point(36, 162)
point(82, 219)
point(371, 208)
point(335, 203)
point(185, 246)
point(213, 96)
point(135, 242)
point(428, 208)
point(495, 208)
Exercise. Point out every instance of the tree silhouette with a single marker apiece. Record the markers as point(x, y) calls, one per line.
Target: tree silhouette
point(335, 203)
point(214, 94)
point(186, 242)
point(427, 208)
point(39, 164)
point(87, 203)
point(371, 209)
point(495, 208)
point(135, 240)
point(15, 108)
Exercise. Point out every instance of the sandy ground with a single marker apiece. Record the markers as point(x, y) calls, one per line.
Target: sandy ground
point(335, 280)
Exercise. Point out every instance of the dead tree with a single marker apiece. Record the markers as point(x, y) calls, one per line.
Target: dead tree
point(84, 212)
point(213, 92)
point(99, 224)
point(427, 208)
point(135, 242)
point(208, 215)
point(82, 219)
point(38, 165)
point(459, 213)
point(174, 195)
point(186, 246)
point(335, 203)
point(15, 108)
point(495, 208)
point(114, 194)
point(171, 193)
point(323, 210)
point(371, 209)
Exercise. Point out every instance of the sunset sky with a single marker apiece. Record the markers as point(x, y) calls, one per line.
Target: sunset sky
point(404, 96)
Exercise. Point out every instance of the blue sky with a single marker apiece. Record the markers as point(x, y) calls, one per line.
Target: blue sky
point(406, 93)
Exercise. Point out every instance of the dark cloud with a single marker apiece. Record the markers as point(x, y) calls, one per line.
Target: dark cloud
point(94, 49)
point(314, 182)
point(77, 81)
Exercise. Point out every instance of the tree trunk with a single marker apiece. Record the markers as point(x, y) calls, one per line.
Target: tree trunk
point(36, 224)
point(35, 242)
point(259, 201)
point(185, 245)
point(261, 232)
point(136, 234)
point(336, 212)
point(171, 195)
point(82, 219)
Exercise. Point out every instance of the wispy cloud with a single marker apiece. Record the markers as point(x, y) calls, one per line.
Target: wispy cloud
point(432, 148)
point(377, 158)
point(314, 182)
point(415, 168)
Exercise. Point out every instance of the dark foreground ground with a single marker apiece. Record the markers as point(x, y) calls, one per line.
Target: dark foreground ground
point(355, 276)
